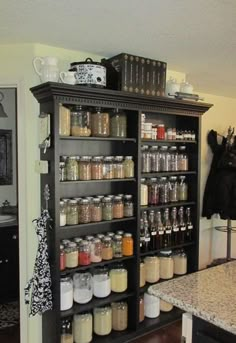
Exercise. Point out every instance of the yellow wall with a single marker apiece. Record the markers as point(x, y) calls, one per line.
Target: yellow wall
point(16, 62)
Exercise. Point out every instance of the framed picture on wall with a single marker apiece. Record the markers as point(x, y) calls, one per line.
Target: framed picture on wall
point(6, 173)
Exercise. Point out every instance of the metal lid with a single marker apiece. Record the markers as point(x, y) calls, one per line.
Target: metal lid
point(72, 245)
point(84, 201)
point(128, 234)
point(117, 198)
point(128, 157)
point(106, 199)
point(62, 202)
point(118, 158)
point(166, 253)
point(96, 201)
point(118, 237)
point(97, 158)
point(85, 158)
point(72, 157)
point(107, 239)
point(73, 202)
point(84, 242)
point(77, 240)
point(96, 240)
point(120, 232)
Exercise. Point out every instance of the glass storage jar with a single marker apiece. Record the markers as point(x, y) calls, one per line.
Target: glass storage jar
point(85, 168)
point(100, 123)
point(72, 169)
point(164, 159)
point(144, 193)
point(145, 160)
point(66, 293)
point(72, 257)
point(119, 316)
point(83, 287)
point(84, 253)
point(117, 246)
point(62, 213)
point(101, 283)
point(153, 192)
point(152, 269)
point(182, 159)
point(96, 213)
point(83, 328)
point(118, 207)
point(118, 167)
point(141, 309)
point(118, 123)
point(64, 121)
point(102, 320)
point(161, 131)
point(155, 159)
point(107, 208)
point(80, 122)
point(62, 171)
point(62, 258)
point(173, 158)
point(164, 191)
point(128, 167)
point(142, 276)
point(97, 168)
point(128, 244)
point(182, 189)
point(151, 306)
point(166, 264)
point(180, 263)
point(66, 331)
point(119, 278)
point(173, 189)
point(128, 206)
point(165, 306)
point(84, 211)
point(107, 250)
point(108, 168)
point(96, 250)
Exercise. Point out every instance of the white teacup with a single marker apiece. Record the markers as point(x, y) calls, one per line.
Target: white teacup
point(68, 77)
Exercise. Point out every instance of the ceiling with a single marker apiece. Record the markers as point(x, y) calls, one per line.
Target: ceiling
point(197, 37)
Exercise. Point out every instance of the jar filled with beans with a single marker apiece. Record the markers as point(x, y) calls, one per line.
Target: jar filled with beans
point(97, 168)
point(100, 123)
point(96, 213)
point(108, 168)
point(72, 168)
point(128, 167)
point(118, 207)
point(96, 250)
point(107, 208)
point(107, 251)
point(72, 217)
point(84, 211)
point(85, 168)
point(118, 167)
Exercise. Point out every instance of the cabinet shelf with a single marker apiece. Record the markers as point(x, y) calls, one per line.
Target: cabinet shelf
point(166, 141)
point(96, 302)
point(159, 174)
point(169, 205)
point(97, 181)
point(109, 139)
point(173, 247)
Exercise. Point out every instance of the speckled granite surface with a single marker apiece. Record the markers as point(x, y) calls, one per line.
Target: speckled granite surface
point(209, 294)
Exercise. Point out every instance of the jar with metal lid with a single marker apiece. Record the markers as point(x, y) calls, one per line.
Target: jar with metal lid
point(119, 172)
point(166, 264)
point(151, 306)
point(83, 287)
point(164, 191)
point(128, 167)
point(97, 168)
point(66, 293)
point(180, 263)
point(108, 168)
point(117, 246)
point(119, 278)
point(64, 121)
point(173, 158)
point(62, 258)
point(72, 169)
point(118, 123)
point(155, 159)
point(66, 331)
point(152, 269)
point(107, 208)
point(128, 206)
point(141, 309)
point(182, 159)
point(153, 192)
point(173, 189)
point(101, 283)
point(110, 234)
point(62, 213)
point(182, 189)
point(96, 213)
point(80, 122)
point(142, 276)
point(120, 232)
point(128, 244)
point(62, 171)
point(118, 207)
point(96, 250)
point(145, 159)
point(107, 251)
point(164, 158)
point(165, 306)
point(119, 316)
point(72, 257)
point(161, 131)
point(102, 320)
point(100, 123)
point(77, 240)
point(65, 242)
point(84, 253)
point(144, 193)
point(85, 168)
point(83, 328)
point(100, 236)
point(84, 211)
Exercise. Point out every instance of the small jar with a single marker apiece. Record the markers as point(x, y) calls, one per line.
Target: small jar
point(117, 246)
point(97, 168)
point(118, 123)
point(161, 131)
point(128, 244)
point(72, 217)
point(142, 275)
point(80, 122)
point(62, 171)
point(119, 172)
point(96, 250)
point(118, 208)
point(101, 283)
point(107, 251)
point(100, 123)
point(128, 167)
point(107, 208)
point(66, 332)
point(151, 306)
point(64, 121)
point(84, 253)
point(180, 263)
point(62, 213)
point(141, 309)
point(84, 211)
point(85, 168)
point(119, 278)
point(96, 213)
point(108, 168)
point(182, 159)
point(128, 206)
point(102, 320)
point(182, 189)
point(144, 193)
point(72, 257)
point(165, 306)
point(166, 264)
point(62, 258)
point(152, 269)
point(72, 169)
point(119, 316)
point(83, 287)
point(66, 293)
point(83, 328)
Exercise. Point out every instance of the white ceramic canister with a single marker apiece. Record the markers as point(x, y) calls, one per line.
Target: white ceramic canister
point(151, 306)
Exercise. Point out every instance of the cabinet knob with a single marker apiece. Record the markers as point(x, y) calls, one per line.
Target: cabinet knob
point(14, 237)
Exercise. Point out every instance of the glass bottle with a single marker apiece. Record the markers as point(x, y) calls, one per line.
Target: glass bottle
point(62, 171)
point(83, 287)
point(142, 276)
point(153, 231)
point(182, 226)
point(189, 225)
point(141, 309)
point(142, 237)
point(100, 123)
point(83, 328)
point(128, 206)
point(119, 172)
point(153, 192)
point(164, 159)
point(80, 122)
point(155, 159)
point(164, 191)
point(118, 123)
point(182, 159)
point(72, 169)
point(160, 230)
point(167, 228)
point(128, 167)
point(173, 189)
point(175, 226)
point(182, 189)
point(145, 159)
point(173, 158)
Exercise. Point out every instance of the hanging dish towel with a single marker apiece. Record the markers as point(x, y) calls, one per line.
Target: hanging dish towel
point(40, 284)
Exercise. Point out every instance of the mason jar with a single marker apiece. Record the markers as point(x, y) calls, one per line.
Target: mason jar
point(166, 264)
point(96, 250)
point(145, 160)
point(84, 253)
point(164, 159)
point(107, 250)
point(152, 269)
point(182, 159)
point(101, 283)
point(144, 193)
point(180, 263)
point(182, 189)
point(66, 293)
point(155, 159)
point(119, 278)
point(128, 167)
point(80, 122)
point(96, 213)
point(173, 189)
point(100, 123)
point(151, 306)
point(84, 211)
point(142, 276)
point(83, 328)
point(128, 244)
point(118, 123)
point(66, 331)
point(71, 255)
point(128, 206)
point(119, 316)
point(97, 168)
point(62, 213)
point(119, 172)
point(153, 192)
point(72, 216)
point(107, 208)
point(85, 168)
point(72, 168)
point(173, 158)
point(102, 320)
point(117, 246)
point(118, 207)
point(83, 287)
point(108, 168)
point(164, 191)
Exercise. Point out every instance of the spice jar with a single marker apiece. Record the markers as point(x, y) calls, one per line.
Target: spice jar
point(141, 309)
point(62, 213)
point(182, 189)
point(151, 306)
point(66, 332)
point(71, 252)
point(100, 123)
point(83, 287)
point(128, 206)
point(102, 320)
point(96, 213)
point(166, 264)
point(84, 253)
point(128, 244)
point(96, 250)
point(180, 263)
point(144, 193)
point(165, 306)
point(101, 283)
point(64, 121)
point(107, 208)
point(182, 159)
point(152, 269)
point(161, 131)
point(128, 167)
point(62, 171)
point(119, 278)
point(117, 246)
point(118, 123)
point(118, 208)
point(107, 251)
point(84, 211)
point(145, 160)
point(83, 328)
point(142, 276)
point(72, 217)
point(119, 172)
point(97, 168)
point(66, 293)
point(72, 169)
point(85, 168)
point(108, 168)
point(62, 258)
point(119, 316)
point(80, 122)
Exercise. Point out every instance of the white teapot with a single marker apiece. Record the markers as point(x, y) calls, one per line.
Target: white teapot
point(46, 68)
point(68, 77)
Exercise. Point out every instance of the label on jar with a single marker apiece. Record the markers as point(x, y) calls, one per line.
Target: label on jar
point(175, 228)
point(153, 233)
point(190, 227)
point(147, 239)
point(161, 232)
point(183, 228)
point(168, 231)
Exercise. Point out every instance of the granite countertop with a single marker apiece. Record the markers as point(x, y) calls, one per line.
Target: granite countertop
point(209, 294)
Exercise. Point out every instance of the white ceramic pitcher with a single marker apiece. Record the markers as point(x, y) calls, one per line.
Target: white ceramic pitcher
point(46, 68)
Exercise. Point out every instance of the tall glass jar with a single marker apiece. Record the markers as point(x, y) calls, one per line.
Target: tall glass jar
point(155, 159)
point(83, 328)
point(108, 168)
point(128, 167)
point(84, 253)
point(142, 275)
point(117, 246)
point(145, 160)
point(119, 278)
point(119, 316)
point(173, 189)
point(164, 159)
point(96, 250)
point(71, 253)
point(107, 208)
point(83, 287)
point(85, 168)
point(153, 192)
point(128, 244)
point(166, 264)
point(118, 123)
point(118, 207)
point(100, 123)
point(97, 168)
point(64, 121)
point(66, 331)
point(180, 263)
point(173, 158)
point(107, 250)
point(101, 283)
point(164, 191)
point(72, 169)
point(62, 213)
point(84, 211)
point(182, 159)
point(182, 189)
point(144, 193)
point(80, 122)
point(66, 293)
point(102, 320)
point(128, 206)
point(96, 213)
point(119, 172)
point(152, 269)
